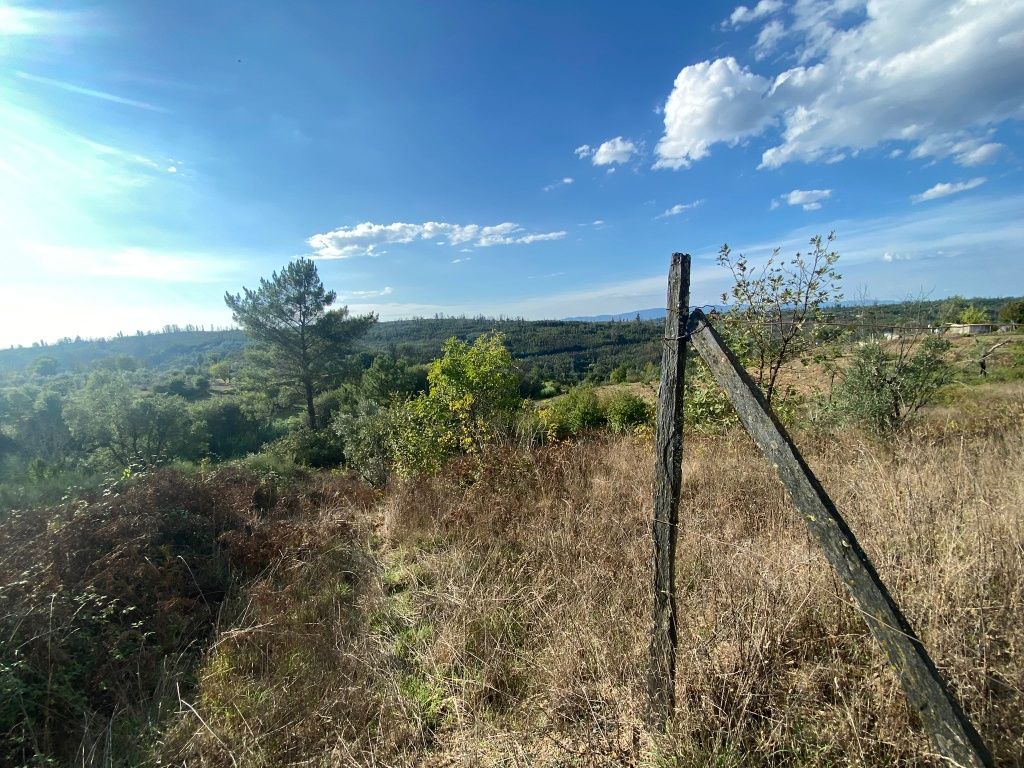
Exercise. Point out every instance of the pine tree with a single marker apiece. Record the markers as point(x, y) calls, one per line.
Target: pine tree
point(298, 335)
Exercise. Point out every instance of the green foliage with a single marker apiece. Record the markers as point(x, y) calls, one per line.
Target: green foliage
point(775, 307)
point(122, 425)
point(319, 448)
point(972, 315)
point(577, 412)
point(44, 366)
point(626, 411)
point(619, 374)
point(298, 336)
point(952, 308)
point(706, 407)
point(472, 400)
point(232, 430)
point(883, 389)
point(1012, 312)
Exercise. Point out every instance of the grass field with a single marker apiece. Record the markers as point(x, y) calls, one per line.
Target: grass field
point(498, 614)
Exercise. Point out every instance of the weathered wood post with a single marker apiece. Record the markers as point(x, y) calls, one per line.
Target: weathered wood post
point(668, 475)
point(952, 733)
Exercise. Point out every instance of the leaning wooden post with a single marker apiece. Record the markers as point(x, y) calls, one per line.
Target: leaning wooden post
point(668, 475)
point(951, 732)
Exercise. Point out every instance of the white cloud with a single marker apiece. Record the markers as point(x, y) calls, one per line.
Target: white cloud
point(809, 199)
point(711, 102)
point(742, 14)
point(385, 291)
point(678, 208)
point(363, 239)
point(617, 150)
point(768, 38)
point(930, 73)
point(564, 182)
point(582, 151)
point(945, 189)
point(172, 169)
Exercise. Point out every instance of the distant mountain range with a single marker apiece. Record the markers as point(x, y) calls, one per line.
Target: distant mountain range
point(657, 313)
point(654, 313)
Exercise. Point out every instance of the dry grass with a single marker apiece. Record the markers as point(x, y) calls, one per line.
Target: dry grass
point(498, 614)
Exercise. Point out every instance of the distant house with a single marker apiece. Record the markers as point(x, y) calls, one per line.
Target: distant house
point(970, 329)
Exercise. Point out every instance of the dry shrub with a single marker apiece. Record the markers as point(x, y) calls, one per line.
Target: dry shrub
point(497, 614)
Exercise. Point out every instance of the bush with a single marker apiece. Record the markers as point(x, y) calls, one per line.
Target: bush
point(882, 390)
point(626, 411)
point(472, 401)
point(577, 412)
point(320, 448)
point(364, 432)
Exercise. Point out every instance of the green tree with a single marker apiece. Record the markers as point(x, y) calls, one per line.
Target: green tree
point(882, 389)
point(114, 419)
point(473, 398)
point(298, 336)
point(44, 366)
point(774, 308)
point(1012, 312)
point(972, 315)
point(951, 309)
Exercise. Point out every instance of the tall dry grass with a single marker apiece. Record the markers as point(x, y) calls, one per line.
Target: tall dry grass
point(497, 614)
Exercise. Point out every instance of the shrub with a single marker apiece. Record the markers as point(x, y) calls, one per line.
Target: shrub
point(578, 411)
point(472, 401)
point(364, 432)
point(311, 447)
point(882, 389)
point(626, 411)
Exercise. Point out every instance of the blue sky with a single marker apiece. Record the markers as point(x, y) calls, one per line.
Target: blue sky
point(539, 159)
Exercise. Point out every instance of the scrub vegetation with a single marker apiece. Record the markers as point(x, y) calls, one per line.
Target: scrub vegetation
point(300, 551)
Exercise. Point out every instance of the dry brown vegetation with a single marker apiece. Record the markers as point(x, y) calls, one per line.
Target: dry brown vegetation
point(497, 614)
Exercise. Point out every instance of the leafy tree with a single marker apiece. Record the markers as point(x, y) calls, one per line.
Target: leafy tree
point(44, 366)
point(113, 418)
point(775, 307)
point(972, 315)
point(299, 337)
point(1012, 312)
point(231, 429)
point(473, 398)
point(952, 308)
point(882, 389)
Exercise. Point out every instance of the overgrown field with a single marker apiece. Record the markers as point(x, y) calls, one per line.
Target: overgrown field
point(497, 613)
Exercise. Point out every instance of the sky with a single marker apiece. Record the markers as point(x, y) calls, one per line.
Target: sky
point(535, 159)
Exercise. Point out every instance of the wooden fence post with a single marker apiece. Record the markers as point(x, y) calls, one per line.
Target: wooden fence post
point(952, 733)
point(667, 482)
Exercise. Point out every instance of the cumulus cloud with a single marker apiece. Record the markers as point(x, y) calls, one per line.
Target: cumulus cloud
point(365, 239)
point(617, 151)
point(945, 189)
point(564, 182)
point(742, 14)
point(711, 102)
point(678, 208)
point(932, 74)
point(808, 199)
